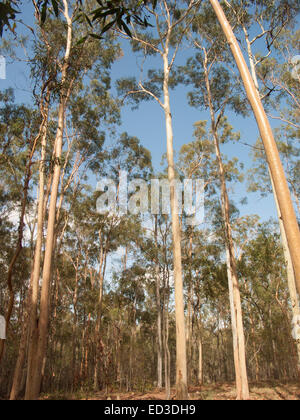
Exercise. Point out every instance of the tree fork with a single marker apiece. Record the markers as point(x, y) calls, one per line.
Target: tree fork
point(281, 187)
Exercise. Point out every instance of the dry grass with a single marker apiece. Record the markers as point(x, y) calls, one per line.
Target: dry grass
point(224, 391)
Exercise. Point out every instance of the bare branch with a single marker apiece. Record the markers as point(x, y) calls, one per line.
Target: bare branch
point(151, 94)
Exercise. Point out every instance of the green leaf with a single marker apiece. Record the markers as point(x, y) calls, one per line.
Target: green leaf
point(44, 12)
point(82, 40)
point(126, 29)
point(108, 26)
point(55, 7)
point(95, 36)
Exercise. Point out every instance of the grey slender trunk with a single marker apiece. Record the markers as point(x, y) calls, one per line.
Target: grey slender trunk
point(181, 365)
point(159, 317)
point(166, 339)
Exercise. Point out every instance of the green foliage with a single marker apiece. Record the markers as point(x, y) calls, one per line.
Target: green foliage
point(8, 13)
point(132, 255)
point(117, 11)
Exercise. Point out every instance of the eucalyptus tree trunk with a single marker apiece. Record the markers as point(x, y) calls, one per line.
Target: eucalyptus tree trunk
point(234, 328)
point(235, 301)
point(31, 306)
point(200, 362)
point(286, 251)
point(254, 340)
point(290, 276)
point(19, 242)
point(181, 365)
point(165, 33)
point(234, 292)
point(75, 322)
point(200, 351)
point(86, 348)
point(158, 308)
point(18, 373)
point(35, 377)
point(189, 327)
point(280, 184)
point(102, 269)
point(166, 337)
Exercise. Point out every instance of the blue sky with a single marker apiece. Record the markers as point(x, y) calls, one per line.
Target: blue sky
point(147, 122)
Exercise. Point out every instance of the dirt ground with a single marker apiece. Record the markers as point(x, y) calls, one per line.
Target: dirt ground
point(259, 391)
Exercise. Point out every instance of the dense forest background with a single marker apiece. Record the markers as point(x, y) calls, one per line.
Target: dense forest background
point(90, 299)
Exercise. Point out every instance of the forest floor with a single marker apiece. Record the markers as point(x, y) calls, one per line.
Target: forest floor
point(225, 391)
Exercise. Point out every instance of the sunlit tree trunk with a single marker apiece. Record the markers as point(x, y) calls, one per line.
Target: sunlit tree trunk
point(75, 321)
point(287, 255)
point(33, 289)
point(234, 329)
point(165, 31)
point(181, 365)
point(34, 381)
point(237, 320)
point(290, 276)
point(254, 340)
point(200, 351)
point(158, 308)
point(102, 269)
point(189, 327)
point(280, 184)
point(18, 373)
point(19, 245)
point(166, 338)
point(235, 286)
